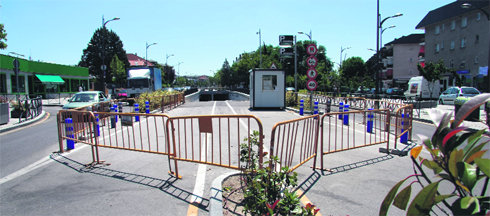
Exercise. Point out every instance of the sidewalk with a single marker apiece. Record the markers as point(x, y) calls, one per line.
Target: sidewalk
point(14, 122)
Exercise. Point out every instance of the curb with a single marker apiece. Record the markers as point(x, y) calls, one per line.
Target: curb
point(216, 194)
point(28, 122)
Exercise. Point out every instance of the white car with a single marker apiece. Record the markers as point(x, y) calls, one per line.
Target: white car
point(450, 95)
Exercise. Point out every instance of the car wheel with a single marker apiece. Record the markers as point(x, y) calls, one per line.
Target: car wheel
point(441, 102)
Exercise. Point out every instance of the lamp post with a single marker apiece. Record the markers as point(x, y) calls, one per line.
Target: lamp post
point(104, 67)
point(470, 6)
point(168, 56)
point(146, 54)
point(379, 27)
point(178, 68)
point(260, 47)
point(341, 51)
point(16, 70)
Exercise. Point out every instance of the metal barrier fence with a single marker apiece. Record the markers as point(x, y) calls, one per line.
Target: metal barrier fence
point(293, 149)
point(30, 108)
point(214, 139)
point(172, 101)
point(343, 131)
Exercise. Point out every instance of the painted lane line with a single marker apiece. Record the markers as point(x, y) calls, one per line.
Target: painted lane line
point(198, 191)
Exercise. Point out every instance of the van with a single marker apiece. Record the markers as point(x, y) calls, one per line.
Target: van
point(419, 88)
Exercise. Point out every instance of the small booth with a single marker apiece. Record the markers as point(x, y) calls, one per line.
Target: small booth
point(267, 88)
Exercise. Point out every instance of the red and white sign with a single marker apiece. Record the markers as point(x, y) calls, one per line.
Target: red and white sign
point(311, 49)
point(312, 61)
point(311, 85)
point(311, 73)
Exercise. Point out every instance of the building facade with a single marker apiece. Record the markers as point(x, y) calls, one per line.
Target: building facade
point(40, 79)
point(458, 34)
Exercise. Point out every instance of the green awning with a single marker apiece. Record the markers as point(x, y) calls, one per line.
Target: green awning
point(50, 79)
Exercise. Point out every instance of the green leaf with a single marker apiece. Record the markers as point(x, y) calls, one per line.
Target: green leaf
point(471, 206)
point(385, 205)
point(425, 199)
point(474, 138)
point(433, 166)
point(455, 157)
point(401, 200)
point(443, 197)
point(484, 165)
point(467, 201)
point(467, 174)
point(477, 155)
point(474, 150)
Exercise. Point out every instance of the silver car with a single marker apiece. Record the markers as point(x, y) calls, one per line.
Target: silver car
point(450, 95)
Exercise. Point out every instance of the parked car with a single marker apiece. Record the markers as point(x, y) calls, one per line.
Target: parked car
point(420, 88)
point(394, 92)
point(86, 99)
point(290, 89)
point(450, 95)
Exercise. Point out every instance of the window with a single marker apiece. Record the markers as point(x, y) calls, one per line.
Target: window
point(478, 16)
point(463, 42)
point(477, 59)
point(437, 30)
point(22, 87)
point(464, 22)
point(442, 45)
point(269, 82)
point(451, 63)
point(437, 48)
point(3, 83)
point(477, 39)
point(453, 24)
point(442, 27)
point(452, 45)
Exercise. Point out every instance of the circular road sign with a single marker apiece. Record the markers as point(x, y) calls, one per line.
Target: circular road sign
point(311, 73)
point(311, 49)
point(312, 61)
point(311, 85)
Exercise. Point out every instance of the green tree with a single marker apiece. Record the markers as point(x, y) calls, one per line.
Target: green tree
point(3, 37)
point(106, 44)
point(353, 72)
point(169, 72)
point(120, 76)
point(432, 72)
point(226, 74)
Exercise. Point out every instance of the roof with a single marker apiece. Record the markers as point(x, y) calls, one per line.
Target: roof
point(410, 39)
point(450, 10)
point(42, 67)
point(135, 60)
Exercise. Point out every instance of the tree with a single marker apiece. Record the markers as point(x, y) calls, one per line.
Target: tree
point(3, 37)
point(106, 44)
point(169, 72)
point(432, 72)
point(225, 74)
point(120, 76)
point(353, 72)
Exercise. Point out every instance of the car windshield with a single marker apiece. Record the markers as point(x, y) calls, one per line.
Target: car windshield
point(469, 91)
point(84, 98)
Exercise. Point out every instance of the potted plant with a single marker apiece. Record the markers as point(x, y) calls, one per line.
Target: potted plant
point(18, 110)
point(4, 110)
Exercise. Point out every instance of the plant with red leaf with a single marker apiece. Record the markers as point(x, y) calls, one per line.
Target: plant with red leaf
point(456, 159)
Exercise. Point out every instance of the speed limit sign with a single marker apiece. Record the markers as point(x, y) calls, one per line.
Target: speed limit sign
point(311, 73)
point(311, 85)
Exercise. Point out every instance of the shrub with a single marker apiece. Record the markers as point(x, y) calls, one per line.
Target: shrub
point(456, 157)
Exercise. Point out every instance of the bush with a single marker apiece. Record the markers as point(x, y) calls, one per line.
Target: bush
point(155, 99)
point(457, 159)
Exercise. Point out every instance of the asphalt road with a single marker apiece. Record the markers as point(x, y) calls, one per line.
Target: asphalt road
point(132, 183)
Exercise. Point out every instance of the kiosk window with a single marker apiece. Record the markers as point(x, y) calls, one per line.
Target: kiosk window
point(269, 82)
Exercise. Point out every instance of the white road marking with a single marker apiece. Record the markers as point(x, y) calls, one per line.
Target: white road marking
point(198, 191)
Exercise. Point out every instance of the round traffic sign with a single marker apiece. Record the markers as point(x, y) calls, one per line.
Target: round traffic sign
point(311, 73)
point(311, 85)
point(311, 49)
point(312, 61)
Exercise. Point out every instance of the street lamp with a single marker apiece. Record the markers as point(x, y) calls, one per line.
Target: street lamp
point(260, 47)
point(168, 56)
point(309, 35)
point(341, 51)
point(470, 6)
point(104, 67)
point(178, 68)
point(379, 28)
point(146, 55)
point(16, 70)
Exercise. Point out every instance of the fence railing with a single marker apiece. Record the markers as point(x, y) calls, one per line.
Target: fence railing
point(294, 142)
point(214, 139)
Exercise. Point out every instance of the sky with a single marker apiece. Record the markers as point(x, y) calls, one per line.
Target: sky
point(201, 34)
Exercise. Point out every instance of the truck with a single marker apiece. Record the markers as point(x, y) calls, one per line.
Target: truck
point(420, 89)
point(143, 79)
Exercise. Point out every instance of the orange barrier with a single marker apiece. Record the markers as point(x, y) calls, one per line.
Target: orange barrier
point(293, 149)
point(213, 139)
point(336, 136)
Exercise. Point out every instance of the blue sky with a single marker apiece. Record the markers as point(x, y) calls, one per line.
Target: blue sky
point(202, 33)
